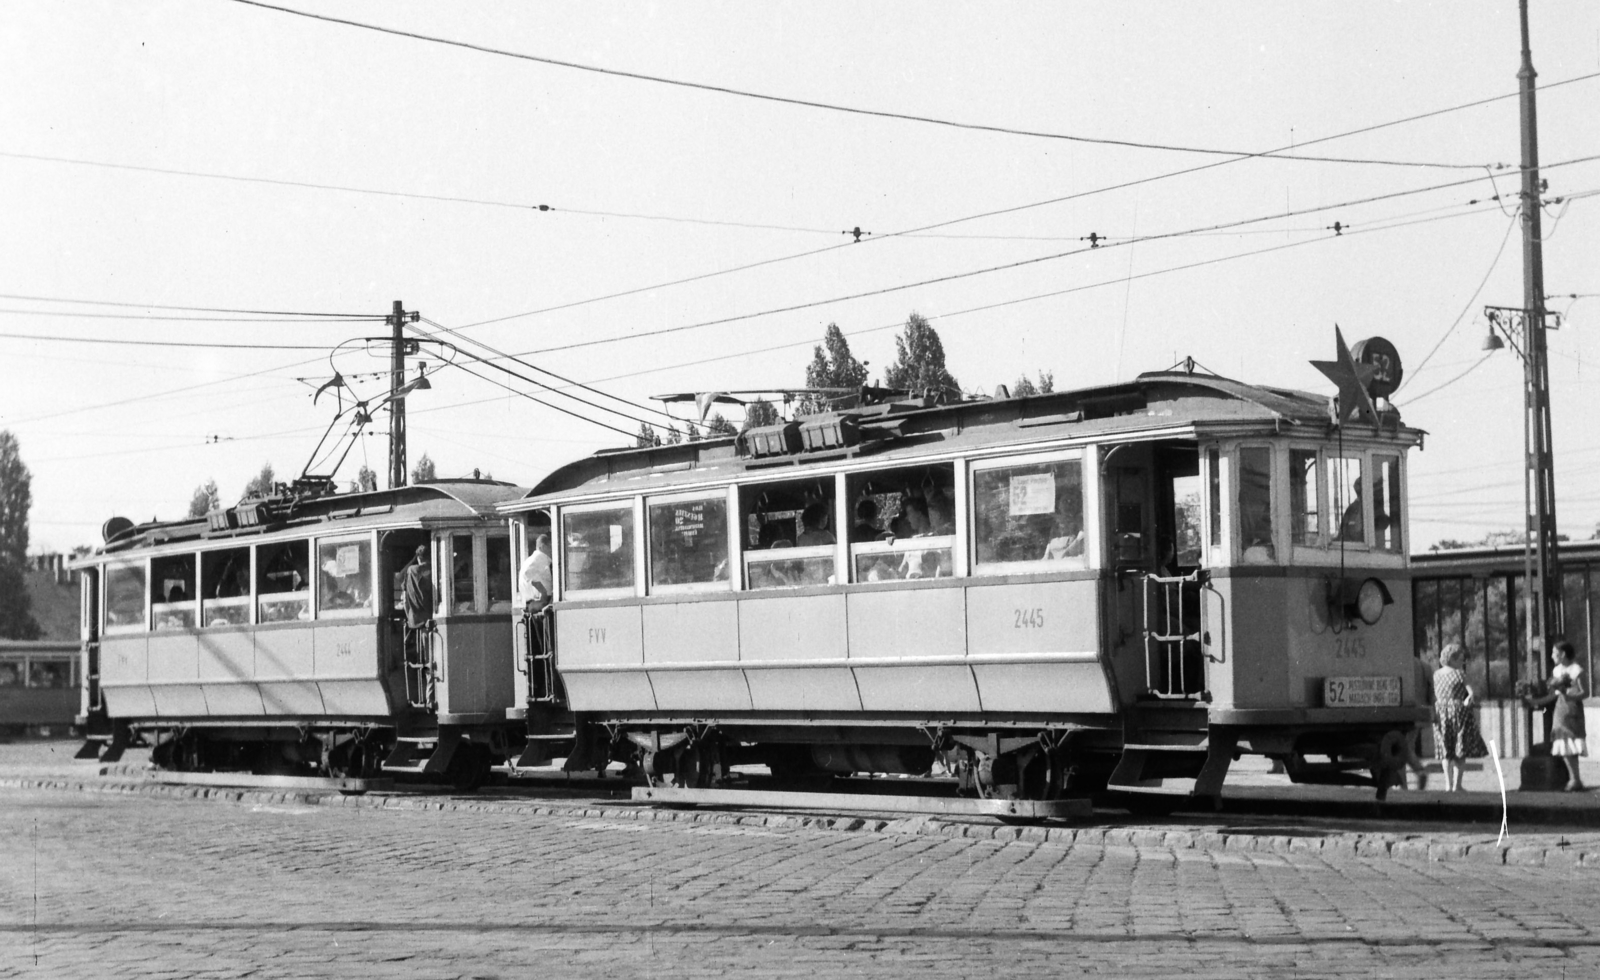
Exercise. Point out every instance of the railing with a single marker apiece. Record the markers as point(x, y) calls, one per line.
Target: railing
point(544, 686)
point(1174, 635)
point(418, 645)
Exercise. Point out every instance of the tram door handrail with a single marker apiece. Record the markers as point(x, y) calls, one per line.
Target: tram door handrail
point(1174, 625)
point(544, 685)
point(419, 651)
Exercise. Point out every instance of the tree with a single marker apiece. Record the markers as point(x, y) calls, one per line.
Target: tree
point(673, 436)
point(205, 499)
point(365, 479)
point(423, 471)
point(919, 360)
point(261, 484)
point(832, 366)
point(717, 426)
point(691, 433)
point(1025, 388)
point(646, 436)
point(758, 413)
point(16, 497)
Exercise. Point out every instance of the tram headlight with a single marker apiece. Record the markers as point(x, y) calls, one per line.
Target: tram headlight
point(1351, 599)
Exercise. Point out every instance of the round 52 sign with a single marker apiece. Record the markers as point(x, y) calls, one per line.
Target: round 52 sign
point(1385, 362)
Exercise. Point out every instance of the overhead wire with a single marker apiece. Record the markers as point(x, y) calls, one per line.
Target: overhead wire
point(88, 315)
point(1021, 263)
point(832, 107)
point(1495, 262)
point(209, 345)
point(190, 309)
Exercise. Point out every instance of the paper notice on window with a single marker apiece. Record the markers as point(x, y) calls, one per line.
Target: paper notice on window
point(616, 537)
point(689, 520)
point(1033, 493)
point(349, 559)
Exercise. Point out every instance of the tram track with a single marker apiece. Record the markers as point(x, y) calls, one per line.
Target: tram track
point(1245, 824)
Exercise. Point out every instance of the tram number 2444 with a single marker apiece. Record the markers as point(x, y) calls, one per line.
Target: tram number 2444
point(1028, 619)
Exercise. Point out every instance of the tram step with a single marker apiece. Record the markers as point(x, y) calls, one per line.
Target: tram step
point(1200, 747)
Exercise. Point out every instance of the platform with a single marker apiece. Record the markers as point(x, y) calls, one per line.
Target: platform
point(876, 803)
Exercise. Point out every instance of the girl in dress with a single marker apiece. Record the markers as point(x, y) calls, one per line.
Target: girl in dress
point(1455, 728)
point(1566, 725)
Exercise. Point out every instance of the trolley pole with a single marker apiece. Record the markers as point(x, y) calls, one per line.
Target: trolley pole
point(1541, 569)
point(397, 404)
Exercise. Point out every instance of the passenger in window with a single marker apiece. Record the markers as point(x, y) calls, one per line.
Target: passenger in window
point(866, 526)
point(177, 593)
point(1068, 542)
point(772, 532)
point(941, 513)
point(1255, 517)
point(814, 526)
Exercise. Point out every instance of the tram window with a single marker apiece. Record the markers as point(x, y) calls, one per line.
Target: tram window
point(344, 578)
point(1304, 519)
point(1029, 512)
point(499, 559)
point(789, 533)
point(461, 581)
point(125, 598)
point(688, 541)
point(1255, 505)
point(597, 549)
point(1185, 521)
point(225, 587)
point(1386, 503)
point(1214, 491)
point(915, 523)
point(10, 673)
point(283, 582)
point(173, 599)
point(53, 674)
point(1344, 497)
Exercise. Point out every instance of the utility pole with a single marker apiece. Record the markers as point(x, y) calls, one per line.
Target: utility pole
point(1541, 570)
point(397, 403)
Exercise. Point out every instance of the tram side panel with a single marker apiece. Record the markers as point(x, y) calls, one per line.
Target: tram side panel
point(958, 647)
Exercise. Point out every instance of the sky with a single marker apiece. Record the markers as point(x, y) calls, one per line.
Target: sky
point(222, 156)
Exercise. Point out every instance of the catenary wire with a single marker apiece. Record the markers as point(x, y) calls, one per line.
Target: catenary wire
point(190, 309)
point(1021, 263)
point(158, 343)
point(87, 315)
point(1493, 264)
point(831, 107)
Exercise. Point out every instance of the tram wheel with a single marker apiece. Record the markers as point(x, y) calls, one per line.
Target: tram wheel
point(469, 767)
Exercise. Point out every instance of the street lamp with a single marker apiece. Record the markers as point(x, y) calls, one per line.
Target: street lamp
point(1523, 330)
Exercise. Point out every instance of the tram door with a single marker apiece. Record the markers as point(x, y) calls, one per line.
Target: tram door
point(1128, 508)
point(397, 550)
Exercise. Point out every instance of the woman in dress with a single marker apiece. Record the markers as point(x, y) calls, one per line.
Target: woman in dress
point(1455, 728)
point(1566, 725)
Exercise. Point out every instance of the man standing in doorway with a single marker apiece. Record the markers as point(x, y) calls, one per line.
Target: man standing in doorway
point(418, 585)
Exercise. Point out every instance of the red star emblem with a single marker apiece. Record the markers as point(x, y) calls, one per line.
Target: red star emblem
point(1354, 400)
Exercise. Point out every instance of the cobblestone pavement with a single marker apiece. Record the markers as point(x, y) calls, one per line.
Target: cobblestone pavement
point(110, 886)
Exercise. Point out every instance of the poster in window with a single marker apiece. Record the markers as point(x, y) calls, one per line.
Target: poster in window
point(688, 520)
point(1032, 493)
point(348, 558)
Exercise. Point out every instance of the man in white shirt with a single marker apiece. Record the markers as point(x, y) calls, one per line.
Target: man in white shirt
point(537, 584)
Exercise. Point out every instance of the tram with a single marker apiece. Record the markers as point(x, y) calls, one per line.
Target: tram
point(270, 637)
point(1118, 588)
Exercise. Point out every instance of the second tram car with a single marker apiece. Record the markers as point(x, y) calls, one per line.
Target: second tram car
point(272, 636)
point(1106, 588)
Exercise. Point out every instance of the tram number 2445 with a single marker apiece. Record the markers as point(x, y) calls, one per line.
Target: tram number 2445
point(1029, 619)
point(1350, 648)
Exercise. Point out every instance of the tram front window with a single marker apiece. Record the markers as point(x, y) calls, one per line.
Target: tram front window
point(344, 575)
point(462, 590)
point(173, 600)
point(1028, 512)
point(597, 549)
point(1386, 503)
point(225, 587)
point(1305, 525)
point(1255, 505)
point(124, 598)
point(914, 522)
point(283, 581)
point(499, 561)
point(790, 533)
point(1344, 497)
point(688, 541)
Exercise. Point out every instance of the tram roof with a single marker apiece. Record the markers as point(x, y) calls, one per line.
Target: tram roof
point(423, 503)
point(1154, 405)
